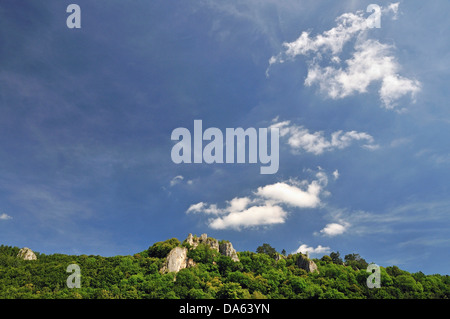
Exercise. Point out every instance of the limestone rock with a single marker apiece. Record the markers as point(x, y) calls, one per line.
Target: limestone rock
point(190, 239)
point(177, 260)
point(26, 254)
point(227, 249)
point(212, 243)
point(307, 264)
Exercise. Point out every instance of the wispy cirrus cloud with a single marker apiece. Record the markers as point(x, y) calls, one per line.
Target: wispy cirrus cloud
point(268, 205)
point(391, 221)
point(370, 61)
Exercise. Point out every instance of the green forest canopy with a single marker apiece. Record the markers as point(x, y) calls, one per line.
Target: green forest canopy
point(259, 275)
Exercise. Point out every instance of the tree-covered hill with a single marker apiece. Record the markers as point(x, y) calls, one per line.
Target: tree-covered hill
point(258, 275)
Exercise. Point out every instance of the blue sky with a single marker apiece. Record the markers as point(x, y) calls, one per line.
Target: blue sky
point(86, 117)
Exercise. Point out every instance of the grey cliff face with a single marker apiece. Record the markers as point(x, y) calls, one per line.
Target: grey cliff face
point(177, 260)
point(306, 264)
point(227, 249)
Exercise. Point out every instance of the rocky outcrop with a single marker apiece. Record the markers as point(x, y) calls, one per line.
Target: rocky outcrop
point(307, 264)
point(177, 260)
point(227, 249)
point(26, 254)
point(203, 239)
point(190, 240)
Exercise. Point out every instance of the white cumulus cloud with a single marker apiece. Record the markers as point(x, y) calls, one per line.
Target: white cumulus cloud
point(266, 206)
point(334, 229)
point(370, 61)
point(305, 249)
point(5, 217)
point(292, 195)
point(253, 216)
